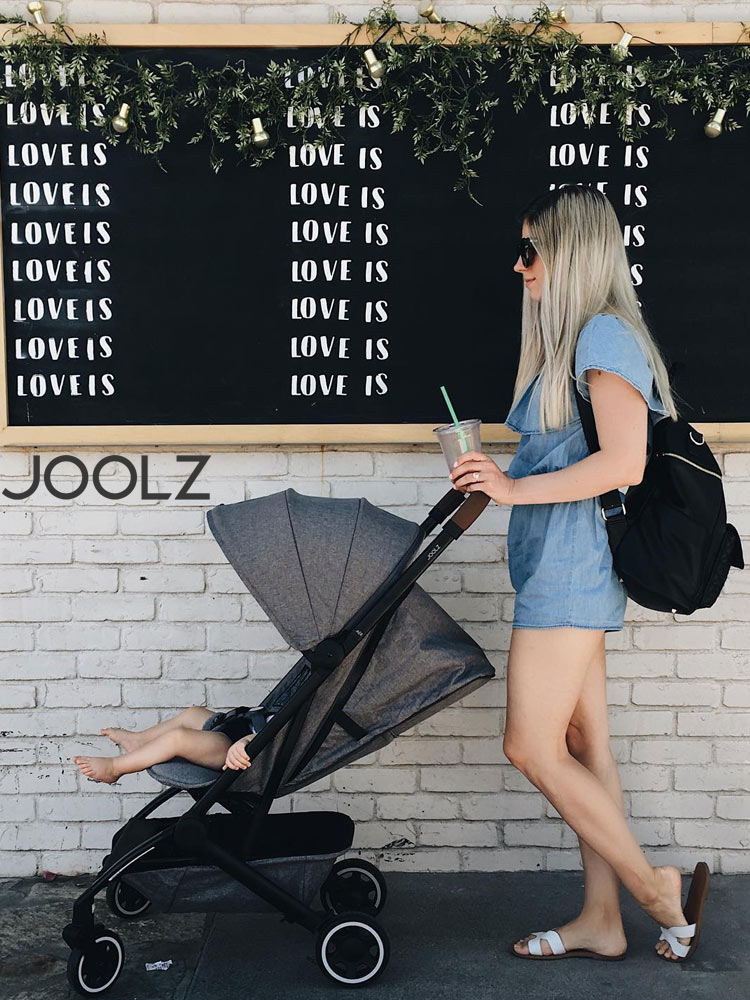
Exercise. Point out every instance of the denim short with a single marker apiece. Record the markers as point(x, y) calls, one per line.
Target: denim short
point(234, 725)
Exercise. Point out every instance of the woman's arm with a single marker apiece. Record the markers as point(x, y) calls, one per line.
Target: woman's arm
point(621, 418)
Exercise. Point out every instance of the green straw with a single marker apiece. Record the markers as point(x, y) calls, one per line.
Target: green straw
point(465, 446)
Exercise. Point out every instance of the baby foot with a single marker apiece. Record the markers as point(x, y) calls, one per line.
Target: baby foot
point(98, 768)
point(123, 738)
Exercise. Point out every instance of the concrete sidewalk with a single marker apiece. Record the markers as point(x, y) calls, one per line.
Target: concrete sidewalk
point(449, 936)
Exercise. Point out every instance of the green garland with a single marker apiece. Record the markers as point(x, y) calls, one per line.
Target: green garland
point(444, 92)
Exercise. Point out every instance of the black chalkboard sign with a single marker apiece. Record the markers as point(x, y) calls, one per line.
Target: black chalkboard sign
point(327, 294)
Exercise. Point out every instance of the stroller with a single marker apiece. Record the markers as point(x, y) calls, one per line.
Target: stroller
point(337, 577)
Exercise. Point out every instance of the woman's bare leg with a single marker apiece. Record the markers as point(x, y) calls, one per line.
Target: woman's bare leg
point(599, 925)
point(190, 718)
point(587, 738)
point(546, 672)
point(207, 748)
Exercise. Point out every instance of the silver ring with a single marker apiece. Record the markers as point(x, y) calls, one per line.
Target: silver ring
point(476, 475)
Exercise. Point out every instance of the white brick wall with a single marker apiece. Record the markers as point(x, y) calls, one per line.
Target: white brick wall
point(283, 12)
point(119, 613)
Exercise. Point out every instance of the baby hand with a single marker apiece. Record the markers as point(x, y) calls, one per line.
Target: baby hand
point(236, 755)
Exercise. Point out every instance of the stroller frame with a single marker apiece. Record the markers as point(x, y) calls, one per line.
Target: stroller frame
point(189, 831)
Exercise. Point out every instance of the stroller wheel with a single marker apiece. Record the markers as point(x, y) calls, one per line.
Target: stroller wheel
point(95, 968)
point(352, 948)
point(125, 901)
point(353, 884)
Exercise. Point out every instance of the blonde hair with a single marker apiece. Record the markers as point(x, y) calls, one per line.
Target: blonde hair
point(577, 235)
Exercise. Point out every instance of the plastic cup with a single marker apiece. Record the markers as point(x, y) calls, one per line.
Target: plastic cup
point(451, 441)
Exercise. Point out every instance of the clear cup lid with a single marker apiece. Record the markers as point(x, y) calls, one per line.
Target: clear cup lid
point(452, 427)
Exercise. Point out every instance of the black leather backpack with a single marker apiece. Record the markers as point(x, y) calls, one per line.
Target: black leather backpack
point(671, 544)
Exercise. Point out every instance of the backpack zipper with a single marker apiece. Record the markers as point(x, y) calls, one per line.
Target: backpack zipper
point(672, 454)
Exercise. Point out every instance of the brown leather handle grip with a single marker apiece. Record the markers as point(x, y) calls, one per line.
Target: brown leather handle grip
point(470, 509)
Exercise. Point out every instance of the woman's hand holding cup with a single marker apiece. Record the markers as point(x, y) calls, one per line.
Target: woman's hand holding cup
point(476, 471)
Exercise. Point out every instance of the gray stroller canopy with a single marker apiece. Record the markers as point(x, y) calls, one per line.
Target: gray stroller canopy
point(311, 562)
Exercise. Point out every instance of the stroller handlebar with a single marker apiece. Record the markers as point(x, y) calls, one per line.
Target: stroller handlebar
point(470, 509)
point(453, 500)
point(445, 506)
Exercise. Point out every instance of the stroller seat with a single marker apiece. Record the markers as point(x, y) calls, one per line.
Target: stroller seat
point(181, 773)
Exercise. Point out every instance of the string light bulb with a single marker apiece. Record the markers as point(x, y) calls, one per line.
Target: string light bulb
point(120, 121)
point(36, 7)
point(713, 129)
point(427, 10)
point(621, 51)
point(261, 138)
point(375, 67)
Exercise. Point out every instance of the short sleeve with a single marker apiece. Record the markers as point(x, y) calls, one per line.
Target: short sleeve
point(607, 343)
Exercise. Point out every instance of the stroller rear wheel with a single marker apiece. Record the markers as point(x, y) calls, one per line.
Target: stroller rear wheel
point(95, 968)
point(352, 948)
point(353, 884)
point(125, 901)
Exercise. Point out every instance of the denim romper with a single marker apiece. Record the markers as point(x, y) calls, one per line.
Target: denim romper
point(559, 557)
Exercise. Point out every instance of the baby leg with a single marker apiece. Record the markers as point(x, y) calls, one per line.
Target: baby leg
point(207, 748)
point(190, 718)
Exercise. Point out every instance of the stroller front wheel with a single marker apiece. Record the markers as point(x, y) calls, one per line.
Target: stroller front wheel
point(352, 948)
point(95, 968)
point(353, 884)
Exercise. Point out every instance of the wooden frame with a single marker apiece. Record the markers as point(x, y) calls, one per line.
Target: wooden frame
point(304, 35)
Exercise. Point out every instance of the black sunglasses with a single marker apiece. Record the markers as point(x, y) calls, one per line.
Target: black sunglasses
point(526, 250)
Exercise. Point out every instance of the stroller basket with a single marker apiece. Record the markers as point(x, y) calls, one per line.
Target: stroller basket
point(295, 852)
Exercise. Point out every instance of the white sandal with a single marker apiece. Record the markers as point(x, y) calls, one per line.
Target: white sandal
point(670, 935)
point(693, 910)
point(558, 949)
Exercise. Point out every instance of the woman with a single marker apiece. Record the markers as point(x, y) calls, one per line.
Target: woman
point(581, 321)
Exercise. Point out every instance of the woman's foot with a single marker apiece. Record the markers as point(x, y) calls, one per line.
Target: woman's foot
point(123, 738)
point(591, 933)
point(98, 768)
point(667, 909)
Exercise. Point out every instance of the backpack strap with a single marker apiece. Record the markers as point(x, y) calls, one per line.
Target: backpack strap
point(736, 558)
point(612, 507)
